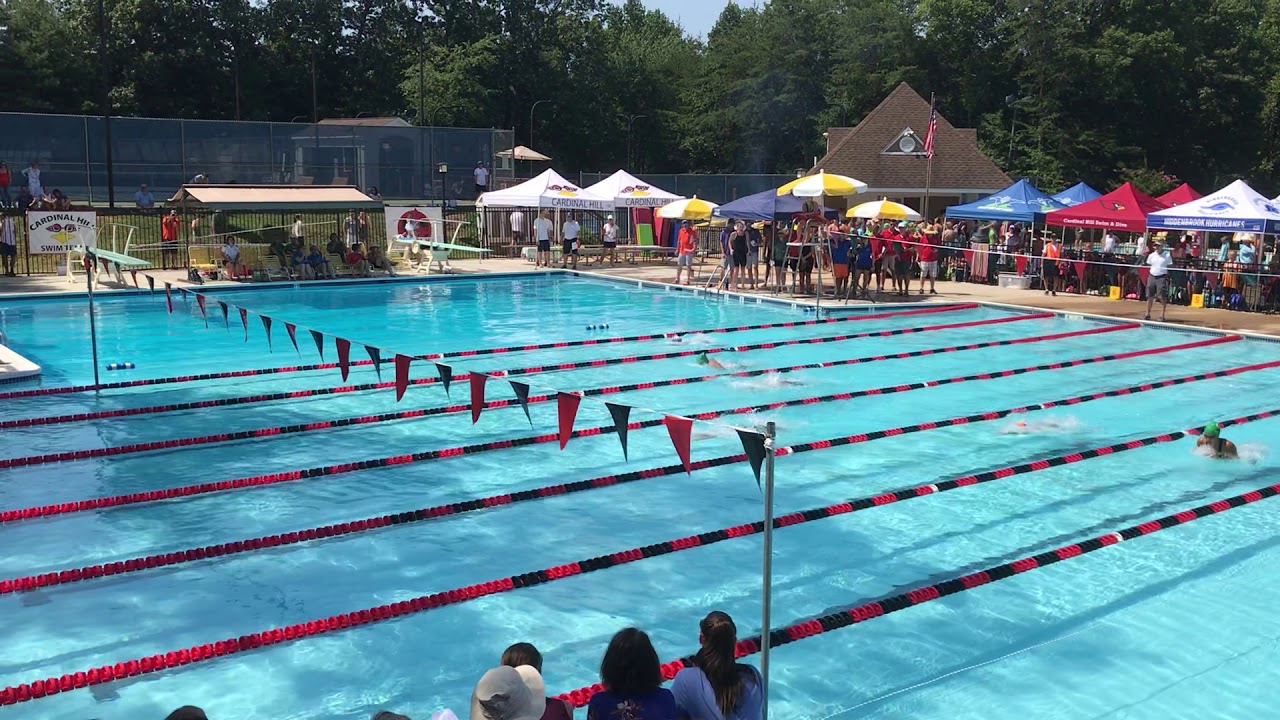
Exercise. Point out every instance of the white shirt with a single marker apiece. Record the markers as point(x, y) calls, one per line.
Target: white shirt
point(482, 176)
point(517, 222)
point(297, 228)
point(6, 231)
point(570, 230)
point(1108, 243)
point(33, 179)
point(1160, 263)
point(542, 228)
point(231, 252)
point(610, 232)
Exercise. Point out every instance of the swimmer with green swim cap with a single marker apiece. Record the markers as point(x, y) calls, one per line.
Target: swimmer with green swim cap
point(702, 359)
point(1212, 438)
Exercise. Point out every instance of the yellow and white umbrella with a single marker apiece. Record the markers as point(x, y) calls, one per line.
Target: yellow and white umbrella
point(687, 209)
point(823, 185)
point(884, 210)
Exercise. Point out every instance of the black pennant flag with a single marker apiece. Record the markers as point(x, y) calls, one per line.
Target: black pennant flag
point(522, 396)
point(621, 415)
point(225, 320)
point(244, 320)
point(293, 336)
point(315, 335)
point(151, 283)
point(446, 376)
point(753, 444)
point(376, 356)
point(266, 327)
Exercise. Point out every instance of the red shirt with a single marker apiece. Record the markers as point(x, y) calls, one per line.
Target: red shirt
point(929, 249)
point(687, 242)
point(169, 228)
point(4, 177)
point(880, 243)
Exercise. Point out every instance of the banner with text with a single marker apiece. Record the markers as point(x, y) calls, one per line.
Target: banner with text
point(55, 232)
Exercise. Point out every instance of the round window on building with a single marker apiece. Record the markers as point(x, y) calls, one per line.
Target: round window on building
point(907, 144)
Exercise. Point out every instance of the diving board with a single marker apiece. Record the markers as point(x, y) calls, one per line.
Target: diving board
point(440, 251)
point(116, 262)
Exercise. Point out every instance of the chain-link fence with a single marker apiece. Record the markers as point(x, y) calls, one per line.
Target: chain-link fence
point(400, 161)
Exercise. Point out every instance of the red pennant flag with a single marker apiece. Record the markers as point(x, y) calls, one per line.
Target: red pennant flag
point(567, 410)
point(1143, 273)
point(134, 274)
point(477, 395)
point(168, 295)
point(106, 265)
point(151, 283)
point(266, 327)
point(376, 356)
point(681, 431)
point(402, 374)
point(968, 258)
point(1020, 262)
point(200, 301)
point(244, 320)
point(293, 336)
point(344, 355)
point(315, 335)
point(1080, 266)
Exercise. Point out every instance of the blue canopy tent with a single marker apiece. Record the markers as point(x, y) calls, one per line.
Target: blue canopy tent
point(1020, 202)
point(1076, 194)
point(767, 205)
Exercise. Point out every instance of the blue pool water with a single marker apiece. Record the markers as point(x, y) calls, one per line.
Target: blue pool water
point(1173, 625)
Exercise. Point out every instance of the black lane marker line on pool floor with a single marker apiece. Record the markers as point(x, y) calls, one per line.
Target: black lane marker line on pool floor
point(296, 394)
point(277, 636)
point(293, 475)
point(74, 455)
point(306, 427)
point(871, 610)
point(120, 567)
point(536, 399)
point(466, 353)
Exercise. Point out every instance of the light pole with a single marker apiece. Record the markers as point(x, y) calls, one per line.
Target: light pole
point(422, 66)
point(1013, 103)
point(531, 109)
point(103, 61)
point(631, 121)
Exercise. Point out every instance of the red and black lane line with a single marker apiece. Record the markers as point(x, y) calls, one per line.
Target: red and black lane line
point(73, 455)
point(856, 614)
point(462, 353)
point(225, 402)
point(208, 651)
point(131, 565)
point(293, 475)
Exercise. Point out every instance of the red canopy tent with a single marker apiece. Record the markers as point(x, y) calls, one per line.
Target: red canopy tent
point(1180, 195)
point(1125, 208)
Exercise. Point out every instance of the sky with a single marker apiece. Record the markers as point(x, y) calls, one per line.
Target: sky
point(695, 16)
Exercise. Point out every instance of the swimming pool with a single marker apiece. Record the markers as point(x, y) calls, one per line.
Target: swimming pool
point(1174, 625)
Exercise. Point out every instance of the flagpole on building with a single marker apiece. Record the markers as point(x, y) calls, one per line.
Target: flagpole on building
point(769, 435)
point(930, 138)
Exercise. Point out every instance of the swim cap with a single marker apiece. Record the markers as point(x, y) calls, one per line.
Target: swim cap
point(1022, 423)
point(1211, 430)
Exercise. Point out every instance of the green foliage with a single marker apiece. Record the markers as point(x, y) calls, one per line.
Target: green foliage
point(1060, 90)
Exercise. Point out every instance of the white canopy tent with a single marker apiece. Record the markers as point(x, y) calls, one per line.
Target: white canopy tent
point(547, 190)
point(1235, 208)
point(629, 191)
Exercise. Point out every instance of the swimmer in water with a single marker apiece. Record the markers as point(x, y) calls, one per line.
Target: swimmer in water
point(702, 359)
point(1222, 448)
point(1022, 427)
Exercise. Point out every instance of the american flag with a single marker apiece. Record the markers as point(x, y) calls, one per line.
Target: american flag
point(933, 129)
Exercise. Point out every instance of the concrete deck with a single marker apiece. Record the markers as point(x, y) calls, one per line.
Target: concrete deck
point(1212, 318)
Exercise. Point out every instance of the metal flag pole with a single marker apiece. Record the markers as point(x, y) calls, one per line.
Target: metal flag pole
point(928, 173)
point(90, 260)
point(770, 433)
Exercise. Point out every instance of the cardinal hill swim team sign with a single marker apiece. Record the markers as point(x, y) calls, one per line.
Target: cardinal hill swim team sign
point(53, 233)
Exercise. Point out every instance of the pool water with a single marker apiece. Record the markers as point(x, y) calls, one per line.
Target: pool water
point(1173, 625)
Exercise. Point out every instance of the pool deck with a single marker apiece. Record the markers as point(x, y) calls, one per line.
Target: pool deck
point(1211, 318)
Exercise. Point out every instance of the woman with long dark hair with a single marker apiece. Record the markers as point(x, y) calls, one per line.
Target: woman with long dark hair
point(632, 679)
point(718, 687)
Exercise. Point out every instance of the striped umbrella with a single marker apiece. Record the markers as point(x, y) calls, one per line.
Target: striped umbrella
point(884, 210)
point(687, 209)
point(823, 185)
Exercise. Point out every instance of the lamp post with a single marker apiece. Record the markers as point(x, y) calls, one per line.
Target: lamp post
point(422, 67)
point(1012, 102)
point(531, 109)
point(631, 121)
point(106, 106)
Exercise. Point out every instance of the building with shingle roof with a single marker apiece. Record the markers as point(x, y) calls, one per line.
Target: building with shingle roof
point(886, 151)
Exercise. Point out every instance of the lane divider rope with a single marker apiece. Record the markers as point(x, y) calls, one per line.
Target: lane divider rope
point(466, 353)
point(137, 564)
point(856, 614)
point(74, 455)
point(208, 651)
point(297, 394)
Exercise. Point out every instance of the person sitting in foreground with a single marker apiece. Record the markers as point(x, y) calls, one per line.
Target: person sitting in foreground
point(378, 259)
point(1222, 448)
point(717, 687)
point(335, 246)
point(525, 654)
point(357, 261)
point(502, 694)
point(298, 261)
point(703, 359)
point(632, 679)
point(187, 712)
point(319, 265)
